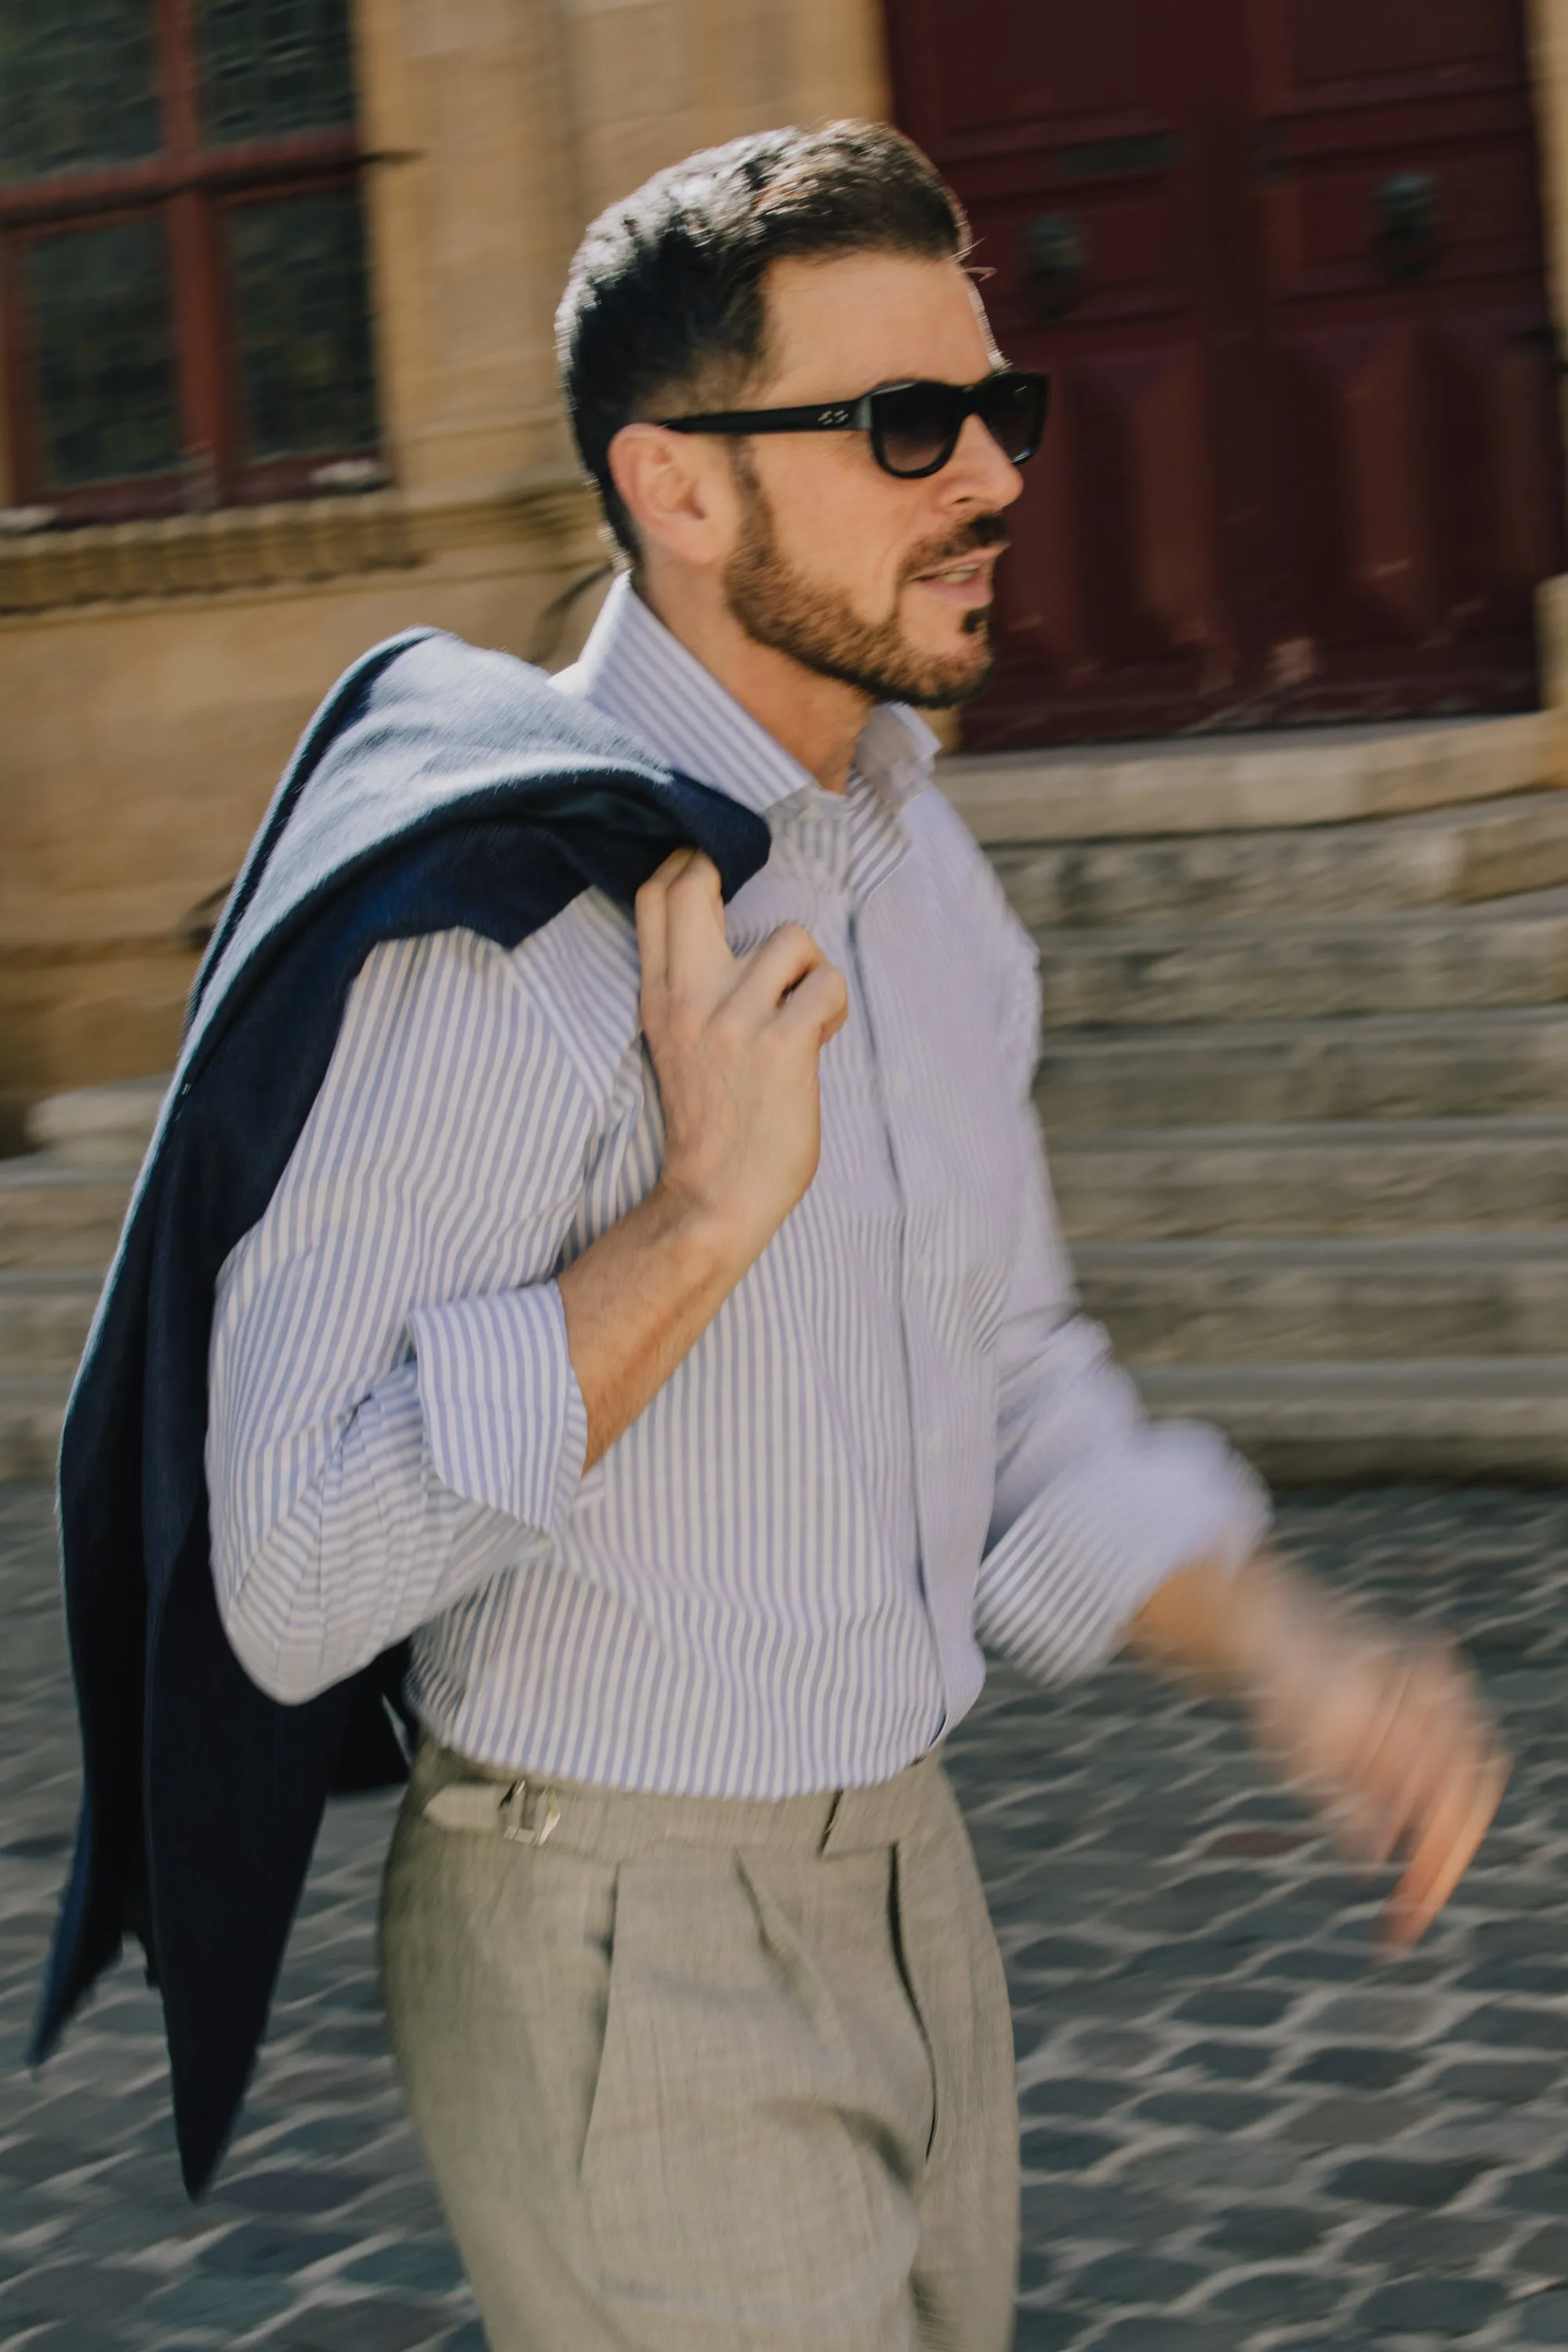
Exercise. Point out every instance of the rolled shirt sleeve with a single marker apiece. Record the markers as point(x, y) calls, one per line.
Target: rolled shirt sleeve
point(503, 1416)
point(393, 1422)
point(1095, 1505)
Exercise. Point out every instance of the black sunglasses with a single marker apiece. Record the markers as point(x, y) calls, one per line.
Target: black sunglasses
point(914, 428)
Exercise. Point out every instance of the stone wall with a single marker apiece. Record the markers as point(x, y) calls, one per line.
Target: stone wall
point(154, 677)
point(1548, 24)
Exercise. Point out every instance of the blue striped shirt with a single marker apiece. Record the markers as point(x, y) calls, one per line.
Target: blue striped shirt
point(896, 1439)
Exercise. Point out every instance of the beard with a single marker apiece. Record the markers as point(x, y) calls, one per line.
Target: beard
point(817, 626)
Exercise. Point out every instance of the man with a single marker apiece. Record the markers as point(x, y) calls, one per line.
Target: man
point(669, 1329)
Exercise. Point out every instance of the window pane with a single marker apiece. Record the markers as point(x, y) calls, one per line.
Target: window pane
point(270, 66)
point(107, 400)
point(303, 326)
point(77, 85)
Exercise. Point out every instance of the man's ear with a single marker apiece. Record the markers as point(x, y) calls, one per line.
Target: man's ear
point(678, 493)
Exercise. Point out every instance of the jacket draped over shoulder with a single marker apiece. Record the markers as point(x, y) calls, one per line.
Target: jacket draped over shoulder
point(438, 787)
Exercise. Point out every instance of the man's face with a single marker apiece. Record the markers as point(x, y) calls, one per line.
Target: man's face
point(886, 584)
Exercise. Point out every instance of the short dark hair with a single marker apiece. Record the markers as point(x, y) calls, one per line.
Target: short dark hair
point(664, 308)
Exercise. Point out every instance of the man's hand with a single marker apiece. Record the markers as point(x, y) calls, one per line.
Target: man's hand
point(1384, 1731)
point(734, 1041)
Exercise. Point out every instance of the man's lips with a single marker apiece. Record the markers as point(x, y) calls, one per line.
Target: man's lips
point(967, 580)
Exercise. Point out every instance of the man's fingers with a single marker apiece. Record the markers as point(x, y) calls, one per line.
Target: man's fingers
point(1430, 1799)
point(784, 959)
point(1396, 1745)
point(653, 917)
point(1445, 1848)
point(1380, 1765)
point(687, 967)
point(1438, 1776)
point(696, 952)
point(1346, 1749)
point(1433, 1731)
point(1438, 1736)
point(820, 1004)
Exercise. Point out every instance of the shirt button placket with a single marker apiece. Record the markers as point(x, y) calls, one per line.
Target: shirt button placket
point(925, 1437)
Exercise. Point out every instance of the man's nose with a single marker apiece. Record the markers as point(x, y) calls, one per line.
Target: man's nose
point(980, 471)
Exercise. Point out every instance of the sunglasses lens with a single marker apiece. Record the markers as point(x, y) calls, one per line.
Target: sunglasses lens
point(914, 426)
point(1012, 411)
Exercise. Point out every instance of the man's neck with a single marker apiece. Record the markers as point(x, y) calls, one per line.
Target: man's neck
point(817, 720)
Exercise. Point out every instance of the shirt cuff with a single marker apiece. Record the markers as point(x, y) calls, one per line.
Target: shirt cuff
point(504, 1417)
point(1056, 1594)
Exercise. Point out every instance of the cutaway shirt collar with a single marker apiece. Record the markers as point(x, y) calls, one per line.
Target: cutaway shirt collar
point(635, 671)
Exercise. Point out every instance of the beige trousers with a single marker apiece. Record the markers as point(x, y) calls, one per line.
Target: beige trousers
point(696, 2075)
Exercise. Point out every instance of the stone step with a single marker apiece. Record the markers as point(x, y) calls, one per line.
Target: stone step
point(1357, 1176)
point(1451, 1423)
point(1507, 951)
point(31, 1412)
point(44, 1319)
point(1448, 856)
point(55, 1214)
point(1305, 1300)
point(1435, 1065)
point(98, 1126)
point(1224, 784)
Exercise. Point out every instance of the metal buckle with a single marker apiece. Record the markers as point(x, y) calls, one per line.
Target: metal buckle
point(515, 1821)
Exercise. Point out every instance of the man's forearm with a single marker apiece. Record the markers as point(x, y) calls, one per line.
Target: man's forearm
point(637, 1302)
point(1208, 1621)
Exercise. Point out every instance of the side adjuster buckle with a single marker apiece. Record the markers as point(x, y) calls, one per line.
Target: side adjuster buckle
point(523, 1826)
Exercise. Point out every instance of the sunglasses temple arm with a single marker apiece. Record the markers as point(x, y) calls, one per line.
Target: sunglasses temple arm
point(741, 422)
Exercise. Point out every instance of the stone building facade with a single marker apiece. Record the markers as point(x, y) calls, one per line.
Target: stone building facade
point(154, 673)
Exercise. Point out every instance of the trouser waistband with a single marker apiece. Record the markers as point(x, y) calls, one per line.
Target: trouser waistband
point(455, 1792)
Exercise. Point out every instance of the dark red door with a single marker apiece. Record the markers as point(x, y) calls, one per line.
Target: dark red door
point(1283, 258)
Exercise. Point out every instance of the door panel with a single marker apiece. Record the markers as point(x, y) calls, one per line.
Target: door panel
point(1086, 216)
point(1414, 434)
point(1323, 219)
point(1368, 51)
point(1036, 67)
point(1282, 258)
point(1113, 563)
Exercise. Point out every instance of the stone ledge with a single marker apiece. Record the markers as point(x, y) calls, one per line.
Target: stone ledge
point(109, 946)
point(299, 543)
point(48, 928)
point(98, 1126)
point(1282, 779)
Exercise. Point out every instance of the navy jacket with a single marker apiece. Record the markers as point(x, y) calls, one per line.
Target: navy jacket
point(438, 787)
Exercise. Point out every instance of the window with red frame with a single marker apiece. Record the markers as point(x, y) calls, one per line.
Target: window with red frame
point(186, 316)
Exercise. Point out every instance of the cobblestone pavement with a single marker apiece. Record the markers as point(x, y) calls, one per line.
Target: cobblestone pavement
point(1240, 2132)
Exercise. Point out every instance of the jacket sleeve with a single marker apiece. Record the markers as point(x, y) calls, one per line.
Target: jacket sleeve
point(393, 1422)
